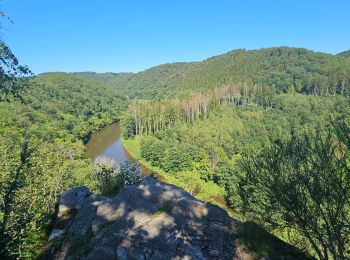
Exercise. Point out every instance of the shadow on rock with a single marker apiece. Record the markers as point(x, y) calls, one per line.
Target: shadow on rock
point(151, 220)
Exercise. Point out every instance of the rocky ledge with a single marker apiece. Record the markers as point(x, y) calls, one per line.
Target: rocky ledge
point(151, 220)
point(154, 220)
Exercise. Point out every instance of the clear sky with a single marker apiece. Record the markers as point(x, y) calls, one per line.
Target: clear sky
point(113, 35)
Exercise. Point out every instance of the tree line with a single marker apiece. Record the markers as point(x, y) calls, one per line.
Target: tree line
point(43, 125)
point(277, 166)
point(150, 116)
point(284, 68)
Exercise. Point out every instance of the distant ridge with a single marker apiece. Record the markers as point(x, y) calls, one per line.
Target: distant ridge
point(281, 67)
point(344, 53)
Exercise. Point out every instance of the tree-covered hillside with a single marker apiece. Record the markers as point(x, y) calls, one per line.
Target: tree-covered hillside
point(89, 104)
point(284, 68)
point(219, 116)
point(196, 123)
point(108, 78)
point(42, 127)
point(216, 154)
point(344, 53)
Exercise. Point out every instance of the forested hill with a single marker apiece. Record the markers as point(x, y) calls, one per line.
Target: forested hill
point(284, 68)
point(84, 105)
point(43, 122)
point(216, 144)
point(108, 78)
point(344, 53)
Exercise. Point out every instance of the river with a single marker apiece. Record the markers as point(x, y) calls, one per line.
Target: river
point(107, 142)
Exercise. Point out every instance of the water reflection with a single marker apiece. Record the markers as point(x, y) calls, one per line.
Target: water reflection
point(107, 142)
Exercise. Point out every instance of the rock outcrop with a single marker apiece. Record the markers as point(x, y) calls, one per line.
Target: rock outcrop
point(151, 220)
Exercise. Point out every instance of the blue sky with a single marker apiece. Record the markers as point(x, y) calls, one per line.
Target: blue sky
point(112, 35)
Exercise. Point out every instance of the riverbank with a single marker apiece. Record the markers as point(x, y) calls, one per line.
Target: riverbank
point(109, 142)
point(200, 189)
point(255, 237)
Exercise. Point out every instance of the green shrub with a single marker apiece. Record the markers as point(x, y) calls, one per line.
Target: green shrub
point(112, 177)
point(106, 171)
point(129, 173)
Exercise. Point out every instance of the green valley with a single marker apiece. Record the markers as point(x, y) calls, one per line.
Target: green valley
point(263, 133)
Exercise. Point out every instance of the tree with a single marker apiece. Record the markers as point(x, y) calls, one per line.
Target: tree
point(304, 184)
point(177, 159)
point(9, 189)
point(33, 174)
point(128, 126)
point(10, 71)
point(291, 89)
point(152, 150)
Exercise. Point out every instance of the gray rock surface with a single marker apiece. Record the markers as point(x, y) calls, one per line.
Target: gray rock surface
point(151, 220)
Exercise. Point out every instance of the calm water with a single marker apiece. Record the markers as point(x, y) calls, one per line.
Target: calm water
point(107, 142)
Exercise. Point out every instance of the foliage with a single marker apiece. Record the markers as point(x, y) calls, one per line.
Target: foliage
point(345, 53)
point(106, 171)
point(42, 152)
point(258, 240)
point(190, 181)
point(79, 106)
point(34, 173)
point(211, 145)
point(309, 72)
point(205, 153)
point(304, 184)
point(149, 117)
point(128, 126)
point(216, 114)
point(10, 73)
point(112, 177)
point(130, 173)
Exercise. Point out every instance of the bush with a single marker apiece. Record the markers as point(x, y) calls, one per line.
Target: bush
point(152, 150)
point(130, 173)
point(112, 177)
point(106, 171)
point(304, 184)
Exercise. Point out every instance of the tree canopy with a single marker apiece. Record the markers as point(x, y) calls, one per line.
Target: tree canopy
point(306, 71)
point(10, 70)
point(246, 126)
point(344, 53)
point(42, 152)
